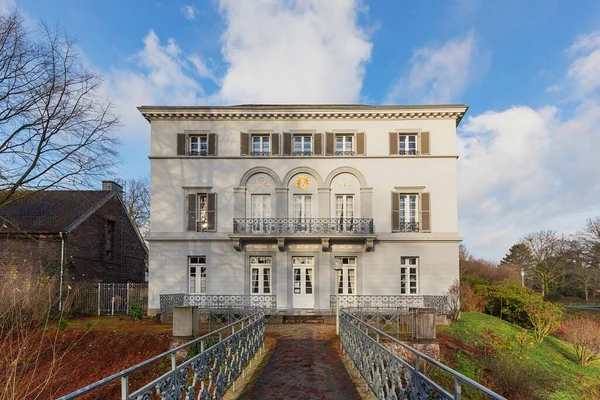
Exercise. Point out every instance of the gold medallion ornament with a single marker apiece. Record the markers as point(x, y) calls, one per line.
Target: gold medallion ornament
point(302, 182)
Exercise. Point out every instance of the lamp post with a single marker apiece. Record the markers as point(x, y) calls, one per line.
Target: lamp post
point(522, 277)
point(337, 267)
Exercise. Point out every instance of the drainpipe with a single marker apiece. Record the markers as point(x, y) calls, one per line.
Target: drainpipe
point(62, 263)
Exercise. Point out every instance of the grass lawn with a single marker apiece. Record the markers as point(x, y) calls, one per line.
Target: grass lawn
point(552, 362)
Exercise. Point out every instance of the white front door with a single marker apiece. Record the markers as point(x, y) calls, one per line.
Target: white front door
point(303, 287)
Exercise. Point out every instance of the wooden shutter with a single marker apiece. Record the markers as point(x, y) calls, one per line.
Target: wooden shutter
point(244, 143)
point(212, 144)
point(191, 213)
point(425, 143)
point(275, 144)
point(329, 144)
point(425, 211)
point(181, 144)
point(287, 144)
point(318, 144)
point(395, 212)
point(212, 211)
point(360, 143)
point(393, 143)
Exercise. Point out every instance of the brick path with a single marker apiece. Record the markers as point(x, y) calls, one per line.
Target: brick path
point(303, 364)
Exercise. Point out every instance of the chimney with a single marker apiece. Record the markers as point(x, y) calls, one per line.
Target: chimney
point(112, 186)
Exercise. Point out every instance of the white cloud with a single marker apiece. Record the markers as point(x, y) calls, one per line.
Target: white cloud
point(189, 12)
point(303, 51)
point(439, 74)
point(524, 169)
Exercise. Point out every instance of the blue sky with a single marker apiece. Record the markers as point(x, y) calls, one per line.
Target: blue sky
point(530, 70)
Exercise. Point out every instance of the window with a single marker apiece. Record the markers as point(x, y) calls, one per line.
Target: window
point(197, 274)
point(198, 145)
point(407, 145)
point(260, 275)
point(109, 237)
point(202, 212)
point(344, 145)
point(408, 213)
point(260, 145)
point(346, 278)
point(408, 275)
point(344, 212)
point(261, 210)
point(302, 212)
point(302, 145)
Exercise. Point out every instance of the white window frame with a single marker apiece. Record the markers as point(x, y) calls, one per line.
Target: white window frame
point(345, 149)
point(264, 145)
point(202, 212)
point(346, 279)
point(200, 140)
point(198, 263)
point(408, 265)
point(406, 214)
point(303, 139)
point(404, 144)
point(260, 264)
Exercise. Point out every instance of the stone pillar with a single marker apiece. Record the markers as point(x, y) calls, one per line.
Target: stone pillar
point(185, 321)
point(239, 202)
point(366, 202)
point(324, 195)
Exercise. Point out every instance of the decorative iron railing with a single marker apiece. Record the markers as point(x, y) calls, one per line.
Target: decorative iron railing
point(408, 227)
point(317, 226)
point(198, 153)
point(345, 153)
point(394, 370)
point(218, 301)
point(302, 153)
point(402, 302)
point(207, 375)
point(408, 152)
point(260, 153)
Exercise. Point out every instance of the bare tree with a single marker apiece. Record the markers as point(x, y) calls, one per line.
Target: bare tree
point(589, 238)
point(55, 126)
point(137, 203)
point(547, 251)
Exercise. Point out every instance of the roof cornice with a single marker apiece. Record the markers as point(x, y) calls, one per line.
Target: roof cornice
point(297, 112)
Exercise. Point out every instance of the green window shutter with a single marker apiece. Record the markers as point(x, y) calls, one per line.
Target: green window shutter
point(395, 212)
point(212, 144)
point(191, 213)
point(425, 143)
point(212, 211)
point(181, 144)
point(426, 212)
point(393, 143)
point(318, 144)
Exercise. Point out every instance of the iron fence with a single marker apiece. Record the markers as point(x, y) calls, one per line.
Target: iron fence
point(207, 375)
point(291, 226)
point(106, 298)
point(394, 370)
point(397, 322)
point(217, 301)
point(400, 302)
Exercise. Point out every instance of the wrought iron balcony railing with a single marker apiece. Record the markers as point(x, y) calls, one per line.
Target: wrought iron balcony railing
point(345, 153)
point(302, 153)
point(408, 152)
point(408, 227)
point(260, 153)
point(317, 226)
point(198, 153)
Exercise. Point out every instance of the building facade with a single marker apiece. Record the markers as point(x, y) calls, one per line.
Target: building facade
point(300, 202)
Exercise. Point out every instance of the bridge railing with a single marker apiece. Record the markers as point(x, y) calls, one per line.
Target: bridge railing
point(393, 369)
point(222, 356)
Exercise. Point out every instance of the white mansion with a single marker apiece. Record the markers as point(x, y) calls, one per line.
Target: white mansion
point(264, 201)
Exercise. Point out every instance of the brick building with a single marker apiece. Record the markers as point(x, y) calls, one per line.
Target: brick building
point(100, 241)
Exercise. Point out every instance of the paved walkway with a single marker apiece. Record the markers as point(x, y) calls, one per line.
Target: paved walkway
point(303, 364)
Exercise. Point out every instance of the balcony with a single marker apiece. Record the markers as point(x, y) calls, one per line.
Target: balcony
point(408, 227)
point(303, 226)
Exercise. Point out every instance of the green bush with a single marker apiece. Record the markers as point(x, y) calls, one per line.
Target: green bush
point(62, 324)
point(507, 301)
point(136, 311)
point(544, 317)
